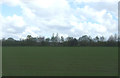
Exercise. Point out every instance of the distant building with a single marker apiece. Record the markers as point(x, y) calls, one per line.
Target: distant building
point(40, 39)
point(34, 39)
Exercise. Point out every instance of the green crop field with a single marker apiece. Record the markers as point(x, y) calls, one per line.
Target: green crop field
point(60, 61)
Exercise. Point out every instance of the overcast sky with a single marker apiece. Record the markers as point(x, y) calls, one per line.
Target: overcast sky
point(19, 18)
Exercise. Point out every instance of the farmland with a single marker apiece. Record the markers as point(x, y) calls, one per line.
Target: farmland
point(60, 61)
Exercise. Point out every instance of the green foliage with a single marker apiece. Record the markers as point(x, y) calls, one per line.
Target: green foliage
point(61, 41)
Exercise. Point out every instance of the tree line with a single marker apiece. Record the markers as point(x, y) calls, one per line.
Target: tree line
point(56, 40)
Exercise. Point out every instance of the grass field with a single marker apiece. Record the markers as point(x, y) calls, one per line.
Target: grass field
point(60, 61)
